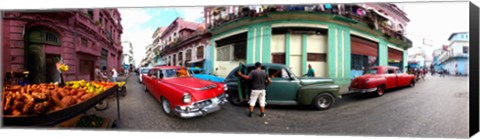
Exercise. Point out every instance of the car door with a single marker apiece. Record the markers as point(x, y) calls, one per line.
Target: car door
point(391, 78)
point(156, 84)
point(149, 78)
point(283, 86)
point(401, 78)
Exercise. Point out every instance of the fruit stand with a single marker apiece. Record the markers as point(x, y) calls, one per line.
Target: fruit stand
point(50, 105)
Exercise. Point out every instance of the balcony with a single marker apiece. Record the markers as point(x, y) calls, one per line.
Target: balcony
point(366, 20)
point(92, 50)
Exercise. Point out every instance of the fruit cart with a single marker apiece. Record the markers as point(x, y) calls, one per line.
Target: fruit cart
point(56, 117)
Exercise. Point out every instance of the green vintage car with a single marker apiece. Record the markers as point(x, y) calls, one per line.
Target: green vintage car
point(285, 88)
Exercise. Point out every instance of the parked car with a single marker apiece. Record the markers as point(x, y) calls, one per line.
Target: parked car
point(380, 78)
point(200, 73)
point(182, 95)
point(142, 71)
point(285, 88)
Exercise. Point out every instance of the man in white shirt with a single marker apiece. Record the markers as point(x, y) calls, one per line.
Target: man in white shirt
point(114, 75)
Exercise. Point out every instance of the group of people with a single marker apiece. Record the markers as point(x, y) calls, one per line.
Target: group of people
point(104, 75)
point(259, 82)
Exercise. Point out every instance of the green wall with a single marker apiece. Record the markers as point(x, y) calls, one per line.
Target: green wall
point(338, 56)
point(338, 51)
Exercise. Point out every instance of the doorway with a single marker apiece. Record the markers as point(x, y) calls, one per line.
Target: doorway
point(35, 56)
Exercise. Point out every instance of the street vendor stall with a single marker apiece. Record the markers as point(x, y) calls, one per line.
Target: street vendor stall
point(50, 104)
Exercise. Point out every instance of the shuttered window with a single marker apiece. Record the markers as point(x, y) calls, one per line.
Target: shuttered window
point(365, 47)
point(394, 54)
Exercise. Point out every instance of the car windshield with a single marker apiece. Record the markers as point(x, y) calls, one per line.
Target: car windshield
point(175, 73)
point(372, 71)
point(144, 71)
point(197, 71)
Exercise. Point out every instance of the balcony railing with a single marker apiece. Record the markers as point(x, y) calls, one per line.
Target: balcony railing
point(351, 13)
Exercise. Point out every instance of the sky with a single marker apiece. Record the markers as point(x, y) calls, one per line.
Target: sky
point(435, 21)
point(140, 23)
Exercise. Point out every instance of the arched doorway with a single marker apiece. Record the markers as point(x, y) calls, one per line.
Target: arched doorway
point(40, 64)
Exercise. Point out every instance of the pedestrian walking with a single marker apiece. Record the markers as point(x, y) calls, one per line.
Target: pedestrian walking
point(114, 75)
point(259, 82)
point(103, 74)
point(98, 74)
point(310, 72)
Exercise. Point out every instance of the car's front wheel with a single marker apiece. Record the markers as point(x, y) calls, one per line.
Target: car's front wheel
point(166, 105)
point(323, 101)
point(380, 90)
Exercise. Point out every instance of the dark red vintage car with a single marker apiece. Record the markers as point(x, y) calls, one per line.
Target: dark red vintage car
point(380, 78)
point(182, 95)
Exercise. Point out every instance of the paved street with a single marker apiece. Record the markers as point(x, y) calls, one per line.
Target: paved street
point(436, 107)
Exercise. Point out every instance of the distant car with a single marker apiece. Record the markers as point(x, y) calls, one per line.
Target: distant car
point(285, 88)
point(182, 95)
point(142, 71)
point(200, 73)
point(380, 78)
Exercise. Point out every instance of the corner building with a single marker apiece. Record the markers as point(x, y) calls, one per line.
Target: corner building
point(339, 41)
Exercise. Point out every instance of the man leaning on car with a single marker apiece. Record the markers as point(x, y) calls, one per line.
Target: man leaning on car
point(259, 80)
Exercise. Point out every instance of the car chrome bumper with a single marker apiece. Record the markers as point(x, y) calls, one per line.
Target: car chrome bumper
point(191, 111)
point(356, 90)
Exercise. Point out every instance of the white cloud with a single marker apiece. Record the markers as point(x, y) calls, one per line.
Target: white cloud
point(132, 19)
point(194, 14)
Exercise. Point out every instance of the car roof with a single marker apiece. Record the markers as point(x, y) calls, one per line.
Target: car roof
point(267, 65)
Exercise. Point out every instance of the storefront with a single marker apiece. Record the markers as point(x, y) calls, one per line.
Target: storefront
point(364, 54)
point(395, 58)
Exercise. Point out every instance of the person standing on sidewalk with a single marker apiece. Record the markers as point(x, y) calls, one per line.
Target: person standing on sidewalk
point(259, 82)
point(114, 75)
point(310, 72)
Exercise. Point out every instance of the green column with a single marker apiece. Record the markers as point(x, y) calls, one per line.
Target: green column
point(267, 37)
point(287, 49)
point(348, 55)
point(258, 37)
point(331, 54)
point(382, 53)
point(250, 45)
point(304, 53)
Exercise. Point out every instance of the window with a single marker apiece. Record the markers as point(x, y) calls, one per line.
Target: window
point(223, 53)
point(465, 49)
point(278, 58)
point(180, 56)
point(200, 52)
point(390, 71)
point(51, 37)
point(373, 71)
point(84, 42)
point(316, 57)
point(90, 13)
point(240, 51)
point(188, 55)
point(278, 73)
point(399, 71)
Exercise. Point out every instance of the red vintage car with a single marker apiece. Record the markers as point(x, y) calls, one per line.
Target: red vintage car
point(182, 95)
point(380, 78)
